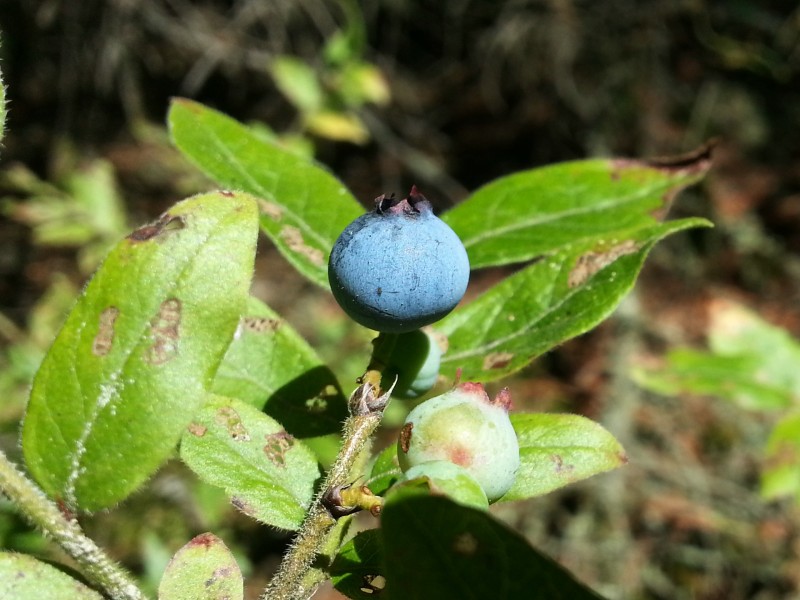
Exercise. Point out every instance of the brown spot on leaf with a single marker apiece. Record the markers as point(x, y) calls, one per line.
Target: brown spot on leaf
point(465, 544)
point(278, 444)
point(232, 422)
point(105, 332)
point(593, 261)
point(260, 324)
point(165, 329)
point(497, 360)
point(243, 506)
point(294, 239)
point(197, 429)
point(226, 193)
point(405, 437)
point(686, 168)
point(204, 539)
point(219, 573)
point(271, 210)
point(561, 468)
point(165, 223)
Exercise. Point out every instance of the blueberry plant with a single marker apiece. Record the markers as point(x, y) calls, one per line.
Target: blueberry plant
point(166, 355)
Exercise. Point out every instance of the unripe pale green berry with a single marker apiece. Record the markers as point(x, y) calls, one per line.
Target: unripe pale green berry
point(449, 480)
point(466, 428)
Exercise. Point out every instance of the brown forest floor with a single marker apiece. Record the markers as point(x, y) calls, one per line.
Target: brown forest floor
point(479, 89)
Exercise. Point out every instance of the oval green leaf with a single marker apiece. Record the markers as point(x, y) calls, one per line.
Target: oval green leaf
point(303, 208)
point(270, 366)
point(558, 297)
point(130, 367)
point(269, 474)
point(203, 569)
point(435, 548)
point(556, 450)
point(527, 214)
point(23, 577)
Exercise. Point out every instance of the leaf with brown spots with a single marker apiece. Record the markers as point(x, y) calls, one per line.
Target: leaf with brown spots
point(304, 208)
point(556, 450)
point(134, 359)
point(533, 213)
point(269, 366)
point(23, 577)
point(552, 300)
point(585, 226)
point(203, 569)
point(253, 459)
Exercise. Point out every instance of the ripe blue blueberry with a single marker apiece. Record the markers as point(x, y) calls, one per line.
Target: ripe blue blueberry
point(399, 267)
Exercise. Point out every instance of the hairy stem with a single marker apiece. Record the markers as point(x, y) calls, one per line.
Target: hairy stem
point(296, 579)
point(46, 515)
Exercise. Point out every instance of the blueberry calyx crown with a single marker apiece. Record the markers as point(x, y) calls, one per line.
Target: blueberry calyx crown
point(414, 204)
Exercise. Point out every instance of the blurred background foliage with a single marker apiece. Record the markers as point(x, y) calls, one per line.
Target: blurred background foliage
point(449, 95)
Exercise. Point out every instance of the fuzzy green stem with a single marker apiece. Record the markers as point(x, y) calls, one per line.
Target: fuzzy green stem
point(291, 581)
point(45, 514)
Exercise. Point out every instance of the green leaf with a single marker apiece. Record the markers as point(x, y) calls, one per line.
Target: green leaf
point(203, 569)
point(385, 471)
point(435, 548)
point(24, 577)
point(357, 570)
point(269, 366)
point(781, 472)
point(556, 450)
point(560, 296)
point(738, 378)
point(298, 82)
point(751, 363)
point(269, 474)
point(130, 366)
point(304, 208)
point(524, 215)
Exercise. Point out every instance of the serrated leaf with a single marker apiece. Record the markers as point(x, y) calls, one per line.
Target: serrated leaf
point(130, 366)
point(558, 449)
point(304, 207)
point(524, 215)
point(435, 548)
point(203, 569)
point(23, 577)
point(545, 304)
point(270, 366)
point(268, 473)
point(357, 570)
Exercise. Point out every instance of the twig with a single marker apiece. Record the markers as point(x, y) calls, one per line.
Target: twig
point(94, 563)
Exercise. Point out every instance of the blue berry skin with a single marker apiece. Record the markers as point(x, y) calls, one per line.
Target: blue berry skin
point(399, 267)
